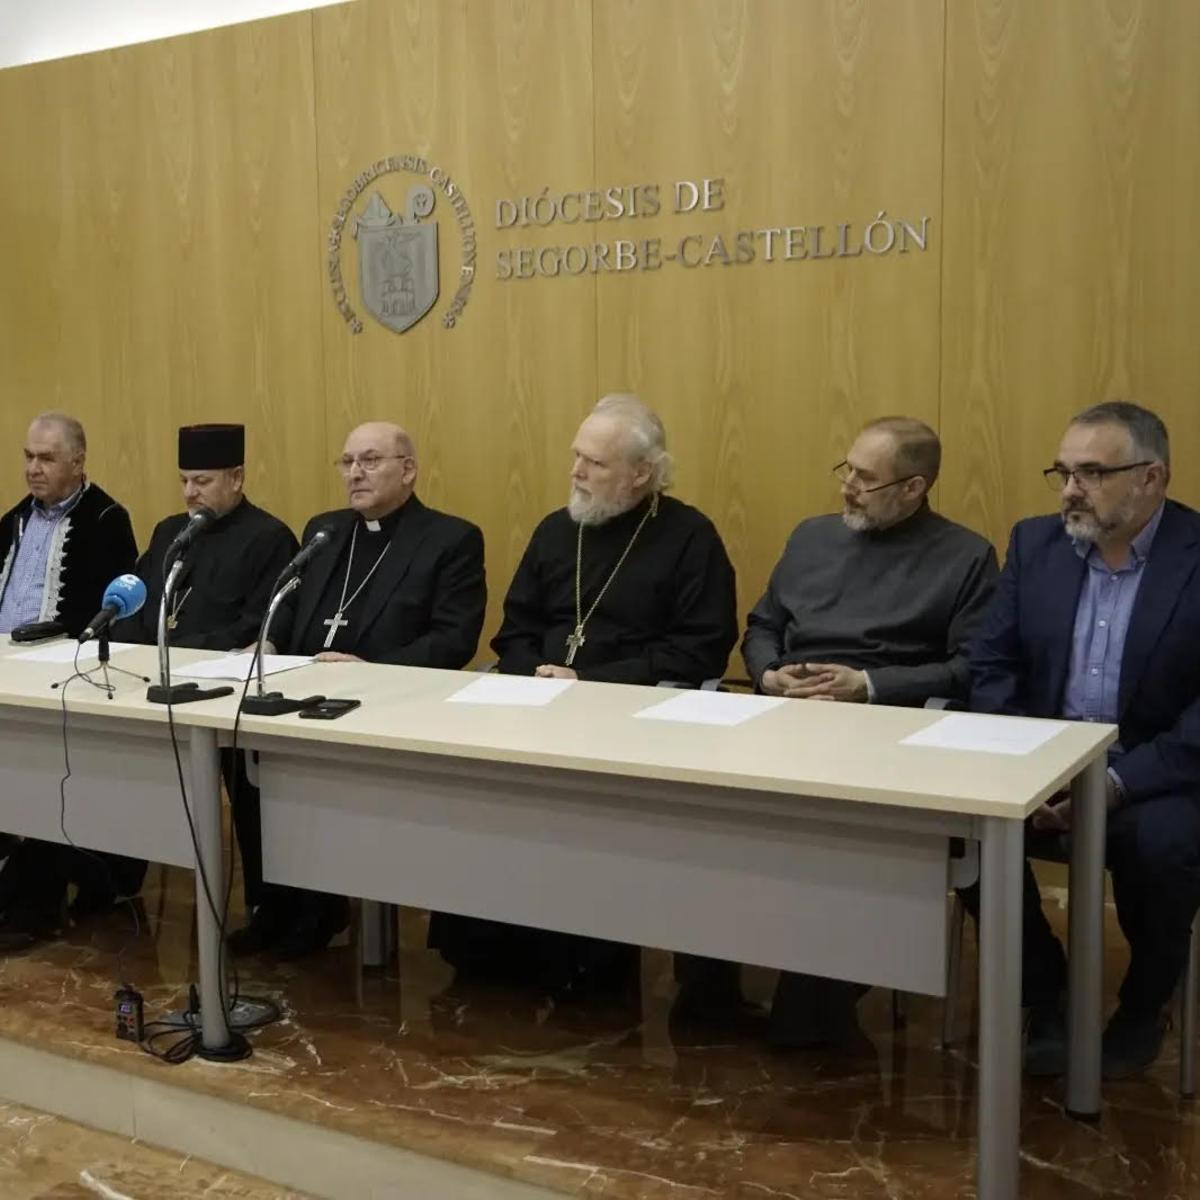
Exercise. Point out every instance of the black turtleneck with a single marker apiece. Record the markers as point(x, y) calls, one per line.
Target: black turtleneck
point(670, 613)
point(899, 603)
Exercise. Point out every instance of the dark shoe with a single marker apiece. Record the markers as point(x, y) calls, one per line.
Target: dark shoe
point(1132, 1042)
point(810, 1012)
point(312, 931)
point(1046, 1041)
point(21, 930)
point(265, 927)
point(92, 904)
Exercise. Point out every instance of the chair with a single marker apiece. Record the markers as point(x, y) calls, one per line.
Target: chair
point(1187, 998)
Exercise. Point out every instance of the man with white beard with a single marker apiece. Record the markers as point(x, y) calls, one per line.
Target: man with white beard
point(874, 605)
point(623, 585)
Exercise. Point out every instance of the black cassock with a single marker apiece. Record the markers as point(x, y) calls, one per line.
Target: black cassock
point(669, 615)
point(225, 585)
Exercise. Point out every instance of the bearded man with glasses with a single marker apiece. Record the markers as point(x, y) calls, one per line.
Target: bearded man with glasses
point(1096, 618)
point(872, 605)
point(399, 583)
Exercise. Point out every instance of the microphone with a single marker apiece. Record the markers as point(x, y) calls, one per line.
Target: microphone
point(308, 551)
point(122, 598)
point(197, 523)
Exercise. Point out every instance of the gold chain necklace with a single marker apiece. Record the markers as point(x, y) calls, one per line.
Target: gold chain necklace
point(576, 638)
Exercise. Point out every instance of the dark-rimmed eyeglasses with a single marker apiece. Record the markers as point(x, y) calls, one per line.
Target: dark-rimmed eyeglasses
point(845, 475)
point(1090, 475)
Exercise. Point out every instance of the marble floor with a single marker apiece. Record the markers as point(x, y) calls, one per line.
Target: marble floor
point(43, 1157)
point(601, 1101)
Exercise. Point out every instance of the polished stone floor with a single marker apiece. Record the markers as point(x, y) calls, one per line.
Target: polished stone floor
point(602, 1102)
point(43, 1157)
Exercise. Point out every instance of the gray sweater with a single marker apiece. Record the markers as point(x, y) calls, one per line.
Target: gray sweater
point(899, 603)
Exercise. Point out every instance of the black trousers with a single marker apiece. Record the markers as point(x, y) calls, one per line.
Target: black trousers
point(37, 873)
point(1153, 852)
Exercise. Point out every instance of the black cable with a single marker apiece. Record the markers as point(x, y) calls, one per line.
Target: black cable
point(62, 821)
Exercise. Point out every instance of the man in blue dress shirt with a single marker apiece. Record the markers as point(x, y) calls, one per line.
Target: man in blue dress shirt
point(1097, 618)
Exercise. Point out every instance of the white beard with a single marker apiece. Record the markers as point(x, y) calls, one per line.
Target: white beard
point(1082, 526)
point(587, 510)
point(858, 522)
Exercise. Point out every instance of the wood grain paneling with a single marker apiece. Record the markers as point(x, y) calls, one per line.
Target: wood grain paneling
point(814, 113)
point(498, 95)
point(159, 220)
point(1072, 270)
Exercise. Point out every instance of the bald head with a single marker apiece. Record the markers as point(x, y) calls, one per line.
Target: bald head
point(379, 466)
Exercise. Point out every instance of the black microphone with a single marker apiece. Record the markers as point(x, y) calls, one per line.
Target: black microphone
point(308, 551)
point(197, 523)
point(122, 598)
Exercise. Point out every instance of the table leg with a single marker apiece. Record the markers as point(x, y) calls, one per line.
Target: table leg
point(206, 815)
point(1003, 860)
point(1085, 977)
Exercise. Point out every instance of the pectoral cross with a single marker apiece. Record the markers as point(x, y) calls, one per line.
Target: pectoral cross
point(574, 641)
point(336, 622)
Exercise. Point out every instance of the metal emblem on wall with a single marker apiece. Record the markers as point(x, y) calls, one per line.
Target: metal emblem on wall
point(398, 277)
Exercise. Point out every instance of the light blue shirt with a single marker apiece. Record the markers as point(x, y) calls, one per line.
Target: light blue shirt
point(1102, 619)
point(32, 541)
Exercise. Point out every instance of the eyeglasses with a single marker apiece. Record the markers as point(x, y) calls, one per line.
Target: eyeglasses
point(845, 474)
point(1088, 476)
point(369, 462)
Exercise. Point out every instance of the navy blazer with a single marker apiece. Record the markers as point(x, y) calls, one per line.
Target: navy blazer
point(1021, 652)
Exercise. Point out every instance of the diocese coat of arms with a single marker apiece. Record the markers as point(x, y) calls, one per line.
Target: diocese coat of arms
point(398, 260)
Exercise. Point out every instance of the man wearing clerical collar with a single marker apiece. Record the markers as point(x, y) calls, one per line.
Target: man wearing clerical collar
point(875, 604)
point(625, 585)
point(63, 543)
point(399, 583)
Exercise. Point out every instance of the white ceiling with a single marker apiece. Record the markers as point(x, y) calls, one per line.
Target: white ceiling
point(36, 30)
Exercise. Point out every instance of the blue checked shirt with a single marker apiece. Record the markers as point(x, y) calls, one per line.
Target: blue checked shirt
point(22, 600)
point(1101, 623)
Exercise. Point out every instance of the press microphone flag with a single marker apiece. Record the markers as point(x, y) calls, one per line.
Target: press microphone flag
point(122, 598)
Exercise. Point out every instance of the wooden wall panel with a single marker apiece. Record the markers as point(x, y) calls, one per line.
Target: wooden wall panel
point(814, 112)
point(158, 224)
point(1072, 269)
point(498, 95)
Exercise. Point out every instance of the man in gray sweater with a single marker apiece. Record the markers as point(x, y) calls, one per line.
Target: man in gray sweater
point(871, 605)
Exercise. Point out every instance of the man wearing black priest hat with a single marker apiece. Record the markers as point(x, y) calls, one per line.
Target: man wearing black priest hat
point(399, 583)
point(59, 548)
point(623, 585)
point(218, 605)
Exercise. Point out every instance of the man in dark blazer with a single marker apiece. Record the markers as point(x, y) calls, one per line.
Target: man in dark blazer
point(399, 583)
point(1096, 617)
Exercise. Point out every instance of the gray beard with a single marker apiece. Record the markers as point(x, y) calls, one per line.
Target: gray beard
point(857, 522)
point(590, 511)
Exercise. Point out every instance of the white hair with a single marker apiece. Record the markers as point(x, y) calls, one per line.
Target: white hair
point(647, 437)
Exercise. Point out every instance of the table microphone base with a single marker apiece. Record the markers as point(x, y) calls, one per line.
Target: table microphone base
point(183, 693)
point(275, 704)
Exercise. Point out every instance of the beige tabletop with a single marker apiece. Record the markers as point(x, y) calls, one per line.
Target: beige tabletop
point(841, 751)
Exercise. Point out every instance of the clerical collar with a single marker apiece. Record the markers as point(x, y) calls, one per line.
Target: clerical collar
point(383, 525)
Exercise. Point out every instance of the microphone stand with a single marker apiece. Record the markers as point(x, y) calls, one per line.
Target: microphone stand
point(273, 704)
point(166, 692)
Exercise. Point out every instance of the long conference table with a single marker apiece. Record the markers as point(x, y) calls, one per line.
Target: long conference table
point(809, 837)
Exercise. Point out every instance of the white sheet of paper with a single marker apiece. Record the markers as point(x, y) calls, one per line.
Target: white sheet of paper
point(520, 691)
point(987, 735)
point(710, 708)
point(236, 666)
point(64, 652)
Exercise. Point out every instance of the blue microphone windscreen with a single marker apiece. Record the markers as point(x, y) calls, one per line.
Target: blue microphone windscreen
point(127, 593)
